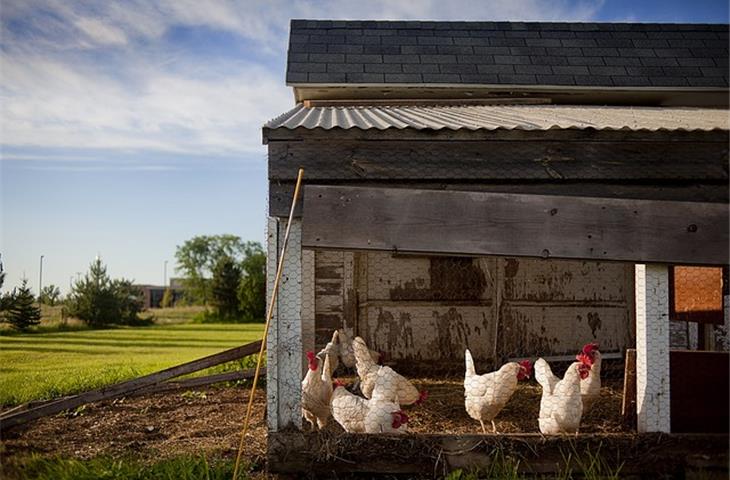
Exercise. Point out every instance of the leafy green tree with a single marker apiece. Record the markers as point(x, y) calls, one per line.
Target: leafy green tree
point(98, 300)
point(224, 289)
point(50, 295)
point(252, 289)
point(197, 257)
point(21, 309)
point(4, 297)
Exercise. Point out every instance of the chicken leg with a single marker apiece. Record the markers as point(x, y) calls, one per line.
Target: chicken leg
point(484, 430)
point(494, 427)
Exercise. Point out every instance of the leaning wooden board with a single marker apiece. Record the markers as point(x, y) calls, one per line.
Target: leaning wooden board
point(548, 226)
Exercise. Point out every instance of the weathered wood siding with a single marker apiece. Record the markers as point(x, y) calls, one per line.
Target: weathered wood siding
point(552, 307)
point(424, 309)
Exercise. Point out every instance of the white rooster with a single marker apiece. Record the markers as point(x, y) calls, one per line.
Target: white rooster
point(379, 414)
point(485, 395)
point(590, 387)
point(317, 391)
point(561, 406)
point(395, 386)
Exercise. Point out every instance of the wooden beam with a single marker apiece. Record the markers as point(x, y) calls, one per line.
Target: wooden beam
point(198, 382)
point(126, 388)
point(713, 192)
point(496, 160)
point(436, 455)
point(468, 223)
point(628, 402)
point(504, 100)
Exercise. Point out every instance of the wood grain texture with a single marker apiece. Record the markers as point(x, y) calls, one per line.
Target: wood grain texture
point(713, 192)
point(469, 223)
point(642, 456)
point(494, 160)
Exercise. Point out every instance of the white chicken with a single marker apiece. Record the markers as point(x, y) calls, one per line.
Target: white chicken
point(395, 386)
point(590, 387)
point(347, 353)
point(359, 415)
point(317, 391)
point(485, 395)
point(561, 406)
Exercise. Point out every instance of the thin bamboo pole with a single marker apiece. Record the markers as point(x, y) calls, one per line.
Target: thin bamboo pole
point(269, 314)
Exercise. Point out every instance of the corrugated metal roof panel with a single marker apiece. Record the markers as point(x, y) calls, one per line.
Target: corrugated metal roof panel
point(510, 117)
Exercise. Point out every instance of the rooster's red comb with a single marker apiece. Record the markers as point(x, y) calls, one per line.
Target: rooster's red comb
point(527, 365)
point(589, 348)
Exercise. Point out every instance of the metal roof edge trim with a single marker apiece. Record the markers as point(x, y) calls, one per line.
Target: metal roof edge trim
point(491, 129)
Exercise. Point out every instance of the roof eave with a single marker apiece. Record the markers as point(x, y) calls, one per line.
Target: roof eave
point(647, 95)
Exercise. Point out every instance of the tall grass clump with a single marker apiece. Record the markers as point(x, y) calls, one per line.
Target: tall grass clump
point(185, 467)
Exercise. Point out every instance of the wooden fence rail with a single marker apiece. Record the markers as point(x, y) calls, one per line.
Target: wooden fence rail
point(15, 417)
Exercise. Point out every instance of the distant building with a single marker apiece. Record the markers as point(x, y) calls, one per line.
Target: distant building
point(152, 294)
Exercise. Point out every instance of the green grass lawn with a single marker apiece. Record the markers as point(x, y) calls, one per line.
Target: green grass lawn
point(48, 365)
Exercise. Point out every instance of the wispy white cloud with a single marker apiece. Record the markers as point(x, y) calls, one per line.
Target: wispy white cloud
point(104, 75)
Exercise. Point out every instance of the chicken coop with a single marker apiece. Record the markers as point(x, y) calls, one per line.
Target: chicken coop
point(515, 189)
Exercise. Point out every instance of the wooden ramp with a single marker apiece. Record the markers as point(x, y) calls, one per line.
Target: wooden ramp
point(152, 383)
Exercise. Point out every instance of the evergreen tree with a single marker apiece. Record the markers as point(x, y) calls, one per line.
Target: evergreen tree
point(22, 311)
point(224, 288)
point(99, 300)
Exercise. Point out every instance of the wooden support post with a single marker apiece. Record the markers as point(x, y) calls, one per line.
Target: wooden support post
point(284, 344)
point(628, 405)
point(652, 348)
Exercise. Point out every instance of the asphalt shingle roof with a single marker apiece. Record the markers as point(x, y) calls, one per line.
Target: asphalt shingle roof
point(508, 53)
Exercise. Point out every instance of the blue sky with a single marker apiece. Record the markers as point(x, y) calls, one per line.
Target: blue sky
point(129, 127)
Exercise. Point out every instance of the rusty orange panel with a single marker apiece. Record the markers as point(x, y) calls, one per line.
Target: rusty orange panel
point(697, 294)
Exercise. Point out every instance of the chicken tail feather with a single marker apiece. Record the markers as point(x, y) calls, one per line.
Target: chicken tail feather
point(470, 370)
point(326, 372)
point(362, 354)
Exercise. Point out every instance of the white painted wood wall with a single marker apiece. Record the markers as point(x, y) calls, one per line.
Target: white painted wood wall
point(284, 344)
point(652, 348)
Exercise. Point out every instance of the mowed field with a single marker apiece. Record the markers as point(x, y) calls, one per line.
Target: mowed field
point(47, 365)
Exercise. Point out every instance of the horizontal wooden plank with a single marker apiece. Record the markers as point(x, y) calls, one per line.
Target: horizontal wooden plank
point(651, 455)
point(197, 382)
point(280, 194)
point(496, 160)
point(469, 223)
point(127, 387)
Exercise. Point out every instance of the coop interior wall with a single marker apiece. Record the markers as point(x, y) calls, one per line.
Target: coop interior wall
point(428, 309)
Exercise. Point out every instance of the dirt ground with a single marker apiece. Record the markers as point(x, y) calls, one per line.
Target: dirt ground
point(149, 428)
point(154, 427)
